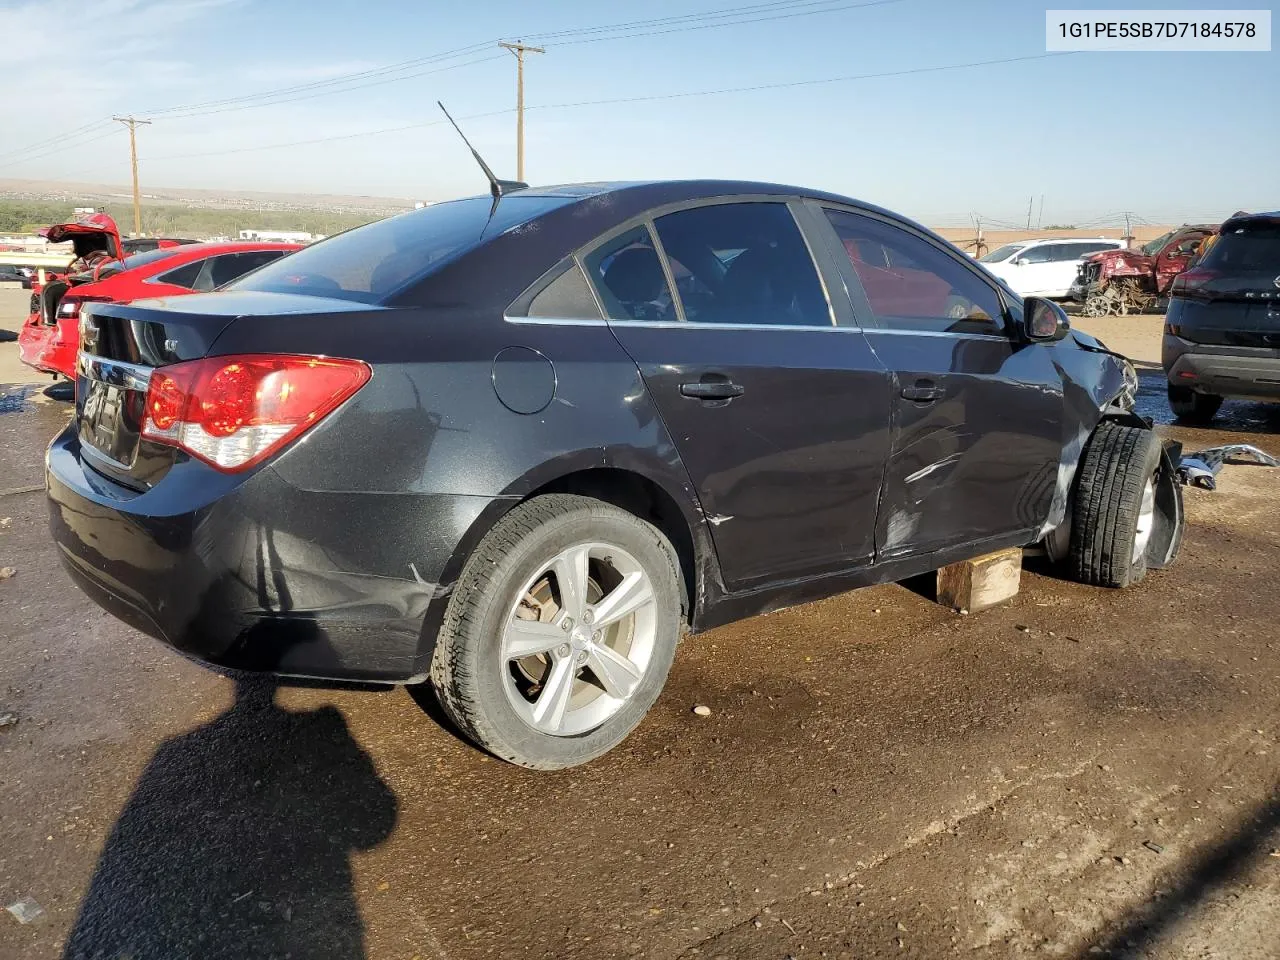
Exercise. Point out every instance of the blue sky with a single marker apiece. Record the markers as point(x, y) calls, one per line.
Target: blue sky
point(1169, 136)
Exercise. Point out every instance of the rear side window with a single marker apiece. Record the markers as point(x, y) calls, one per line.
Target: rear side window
point(370, 263)
point(629, 276)
point(1252, 250)
point(184, 276)
point(232, 266)
point(743, 263)
point(1084, 249)
point(567, 297)
point(911, 284)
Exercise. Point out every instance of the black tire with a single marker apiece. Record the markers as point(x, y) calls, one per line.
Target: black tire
point(1193, 407)
point(1117, 465)
point(467, 669)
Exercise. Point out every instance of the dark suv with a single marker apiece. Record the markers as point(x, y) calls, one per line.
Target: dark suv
point(517, 444)
point(1222, 332)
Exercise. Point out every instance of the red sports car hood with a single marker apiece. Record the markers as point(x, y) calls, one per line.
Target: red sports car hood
point(92, 223)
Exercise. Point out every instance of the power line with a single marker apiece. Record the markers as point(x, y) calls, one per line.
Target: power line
point(61, 147)
point(800, 83)
point(59, 139)
point(331, 81)
point(327, 93)
point(685, 28)
point(618, 100)
point(727, 17)
point(678, 18)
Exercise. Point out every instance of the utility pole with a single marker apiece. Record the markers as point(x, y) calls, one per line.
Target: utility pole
point(520, 49)
point(132, 124)
point(1030, 203)
point(1040, 215)
point(1128, 233)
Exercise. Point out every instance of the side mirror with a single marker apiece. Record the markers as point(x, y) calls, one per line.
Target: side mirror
point(1043, 320)
point(1020, 262)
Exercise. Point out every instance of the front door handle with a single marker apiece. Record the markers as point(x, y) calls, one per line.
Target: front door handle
point(712, 390)
point(923, 391)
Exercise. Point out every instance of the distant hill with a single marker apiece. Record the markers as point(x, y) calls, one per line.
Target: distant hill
point(102, 193)
point(27, 216)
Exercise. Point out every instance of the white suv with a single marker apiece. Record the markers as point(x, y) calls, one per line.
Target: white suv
point(1043, 268)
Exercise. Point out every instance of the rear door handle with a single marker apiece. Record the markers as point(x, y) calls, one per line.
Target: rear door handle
point(924, 391)
point(712, 390)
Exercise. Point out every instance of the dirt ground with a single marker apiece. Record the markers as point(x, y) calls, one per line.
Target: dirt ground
point(1078, 773)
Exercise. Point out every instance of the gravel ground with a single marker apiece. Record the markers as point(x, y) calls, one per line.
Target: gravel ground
point(1078, 773)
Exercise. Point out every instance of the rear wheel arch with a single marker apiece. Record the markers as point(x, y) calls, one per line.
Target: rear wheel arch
point(675, 515)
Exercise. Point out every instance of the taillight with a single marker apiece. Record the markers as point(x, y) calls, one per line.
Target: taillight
point(1190, 282)
point(234, 412)
point(69, 306)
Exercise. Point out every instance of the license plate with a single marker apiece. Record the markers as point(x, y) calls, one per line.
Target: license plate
point(104, 422)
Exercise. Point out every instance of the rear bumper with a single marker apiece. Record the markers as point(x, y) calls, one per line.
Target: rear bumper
point(257, 574)
point(34, 340)
point(1223, 371)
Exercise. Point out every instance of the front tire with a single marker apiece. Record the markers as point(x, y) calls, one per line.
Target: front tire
point(1114, 512)
point(560, 632)
point(1191, 406)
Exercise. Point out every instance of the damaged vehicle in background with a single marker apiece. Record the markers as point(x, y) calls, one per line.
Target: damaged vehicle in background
point(1043, 268)
point(1222, 332)
point(1136, 281)
point(517, 445)
point(48, 341)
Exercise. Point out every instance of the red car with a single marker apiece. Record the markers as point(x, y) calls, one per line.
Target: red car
point(50, 338)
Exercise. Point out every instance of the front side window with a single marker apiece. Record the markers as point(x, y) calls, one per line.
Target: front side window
point(744, 263)
point(628, 274)
point(1043, 253)
point(1001, 254)
point(911, 284)
point(1187, 245)
point(1153, 247)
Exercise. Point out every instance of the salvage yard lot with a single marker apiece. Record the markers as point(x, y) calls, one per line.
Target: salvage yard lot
point(1079, 768)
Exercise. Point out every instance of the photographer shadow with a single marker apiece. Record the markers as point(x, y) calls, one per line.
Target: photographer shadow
point(237, 841)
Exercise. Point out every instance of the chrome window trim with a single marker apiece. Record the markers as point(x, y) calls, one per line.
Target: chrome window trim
point(557, 321)
point(694, 325)
point(898, 332)
point(116, 373)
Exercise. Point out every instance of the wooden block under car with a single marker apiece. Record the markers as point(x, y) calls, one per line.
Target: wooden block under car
point(973, 585)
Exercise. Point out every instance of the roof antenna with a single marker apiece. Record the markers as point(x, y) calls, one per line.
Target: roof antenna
point(499, 188)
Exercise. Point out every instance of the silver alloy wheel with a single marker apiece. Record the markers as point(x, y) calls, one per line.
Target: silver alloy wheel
point(1146, 519)
point(578, 639)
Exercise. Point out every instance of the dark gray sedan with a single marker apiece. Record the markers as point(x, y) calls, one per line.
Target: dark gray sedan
point(517, 445)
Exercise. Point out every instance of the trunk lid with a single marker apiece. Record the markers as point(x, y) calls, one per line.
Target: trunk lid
point(122, 343)
point(88, 225)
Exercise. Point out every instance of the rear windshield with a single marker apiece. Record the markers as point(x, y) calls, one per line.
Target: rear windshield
point(1001, 253)
point(118, 266)
point(1249, 249)
point(372, 262)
